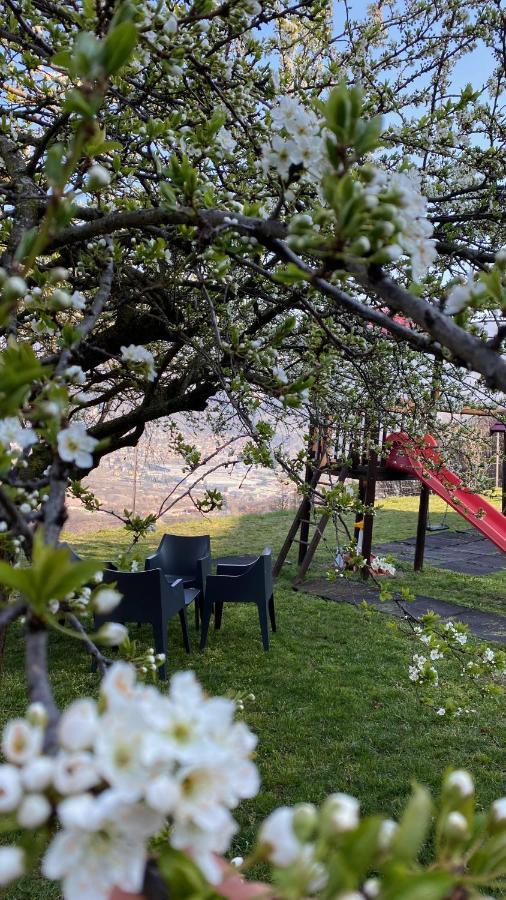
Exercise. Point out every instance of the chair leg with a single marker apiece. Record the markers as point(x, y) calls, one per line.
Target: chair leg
point(218, 612)
point(264, 627)
point(206, 618)
point(161, 646)
point(197, 613)
point(184, 627)
point(272, 613)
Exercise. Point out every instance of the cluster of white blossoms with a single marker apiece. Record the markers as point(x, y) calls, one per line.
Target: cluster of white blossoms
point(124, 766)
point(297, 140)
point(409, 226)
point(421, 671)
point(455, 633)
point(140, 359)
point(380, 566)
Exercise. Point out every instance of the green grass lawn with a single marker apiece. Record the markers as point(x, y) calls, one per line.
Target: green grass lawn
point(334, 709)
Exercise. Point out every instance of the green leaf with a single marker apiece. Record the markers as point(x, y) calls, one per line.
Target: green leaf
point(118, 46)
point(54, 167)
point(291, 274)
point(183, 878)
point(413, 826)
point(19, 368)
point(62, 59)
point(51, 576)
point(425, 886)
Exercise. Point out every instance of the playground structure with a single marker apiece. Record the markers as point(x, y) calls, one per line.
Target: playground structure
point(372, 455)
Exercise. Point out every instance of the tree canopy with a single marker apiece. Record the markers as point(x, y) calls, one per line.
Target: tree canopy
point(214, 195)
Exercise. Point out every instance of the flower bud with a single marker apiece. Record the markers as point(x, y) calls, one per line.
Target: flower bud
point(98, 178)
point(34, 810)
point(305, 821)
point(14, 288)
point(112, 634)
point(38, 774)
point(498, 814)
point(460, 783)
point(36, 714)
point(340, 812)
point(387, 830)
point(456, 826)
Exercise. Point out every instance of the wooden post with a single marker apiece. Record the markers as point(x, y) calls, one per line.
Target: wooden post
point(311, 550)
point(314, 453)
point(283, 553)
point(359, 516)
point(421, 530)
point(369, 498)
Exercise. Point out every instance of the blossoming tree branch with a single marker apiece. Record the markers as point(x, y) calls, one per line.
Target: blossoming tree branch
point(191, 194)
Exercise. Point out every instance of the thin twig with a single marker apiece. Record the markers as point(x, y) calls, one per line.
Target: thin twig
point(102, 661)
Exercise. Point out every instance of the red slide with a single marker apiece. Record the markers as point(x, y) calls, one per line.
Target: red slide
point(423, 461)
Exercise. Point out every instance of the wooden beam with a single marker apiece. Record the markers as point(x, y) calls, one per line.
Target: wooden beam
point(421, 529)
point(311, 550)
point(294, 527)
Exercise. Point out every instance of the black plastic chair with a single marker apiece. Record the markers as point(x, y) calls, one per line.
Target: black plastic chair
point(187, 558)
point(241, 584)
point(148, 598)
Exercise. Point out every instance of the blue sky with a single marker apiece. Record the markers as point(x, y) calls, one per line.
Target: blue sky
point(475, 67)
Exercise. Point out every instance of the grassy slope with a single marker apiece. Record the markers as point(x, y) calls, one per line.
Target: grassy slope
point(333, 708)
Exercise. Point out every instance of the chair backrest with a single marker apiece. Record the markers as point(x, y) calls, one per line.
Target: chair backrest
point(73, 555)
point(256, 581)
point(178, 554)
point(142, 595)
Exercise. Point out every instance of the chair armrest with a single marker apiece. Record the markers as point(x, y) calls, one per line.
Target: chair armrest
point(172, 595)
point(152, 562)
point(203, 571)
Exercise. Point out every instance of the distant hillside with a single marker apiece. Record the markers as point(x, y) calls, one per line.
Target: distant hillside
point(143, 477)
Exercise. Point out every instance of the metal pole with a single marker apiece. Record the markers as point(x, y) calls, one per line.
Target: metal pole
point(504, 474)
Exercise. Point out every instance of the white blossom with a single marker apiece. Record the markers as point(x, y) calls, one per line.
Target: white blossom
point(11, 789)
point(106, 599)
point(75, 772)
point(76, 445)
point(75, 374)
point(461, 295)
point(278, 838)
point(12, 864)
point(13, 434)
point(78, 725)
point(102, 845)
point(140, 358)
point(21, 741)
